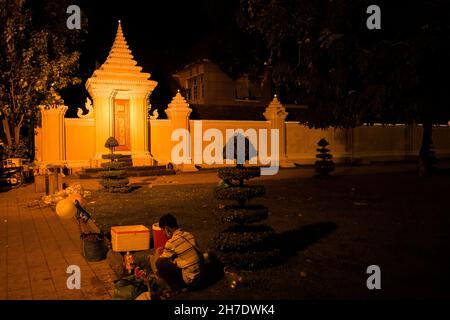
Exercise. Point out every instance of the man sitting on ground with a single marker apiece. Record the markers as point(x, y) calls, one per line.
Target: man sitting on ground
point(179, 263)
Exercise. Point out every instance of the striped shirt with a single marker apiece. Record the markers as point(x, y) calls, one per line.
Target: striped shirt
point(181, 248)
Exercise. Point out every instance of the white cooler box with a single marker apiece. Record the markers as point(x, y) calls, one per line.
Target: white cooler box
point(130, 238)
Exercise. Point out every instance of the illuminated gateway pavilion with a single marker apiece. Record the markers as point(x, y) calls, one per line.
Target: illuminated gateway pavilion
point(120, 93)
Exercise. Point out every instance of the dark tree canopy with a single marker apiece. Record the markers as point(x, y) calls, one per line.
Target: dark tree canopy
point(38, 58)
point(323, 55)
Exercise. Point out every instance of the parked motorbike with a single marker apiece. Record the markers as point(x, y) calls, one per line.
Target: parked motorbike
point(12, 176)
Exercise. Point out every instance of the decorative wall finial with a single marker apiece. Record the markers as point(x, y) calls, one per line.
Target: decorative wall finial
point(178, 102)
point(275, 109)
point(89, 108)
point(155, 115)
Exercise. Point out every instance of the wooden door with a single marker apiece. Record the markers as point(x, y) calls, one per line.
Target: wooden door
point(122, 124)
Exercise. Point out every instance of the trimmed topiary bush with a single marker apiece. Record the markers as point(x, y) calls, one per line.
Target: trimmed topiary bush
point(324, 166)
point(244, 215)
point(111, 143)
point(114, 178)
point(238, 175)
point(245, 243)
point(241, 194)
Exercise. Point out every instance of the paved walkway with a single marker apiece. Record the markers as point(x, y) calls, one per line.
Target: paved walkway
point(36, 247)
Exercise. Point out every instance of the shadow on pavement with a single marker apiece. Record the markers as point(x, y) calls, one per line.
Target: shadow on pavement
point(289, 243)
point(213, 273)
point(5, 188)
point(292, 241)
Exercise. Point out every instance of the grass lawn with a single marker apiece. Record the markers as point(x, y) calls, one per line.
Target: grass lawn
point(331, 232)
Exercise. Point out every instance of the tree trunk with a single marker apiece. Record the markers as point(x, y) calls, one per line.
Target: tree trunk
point(17, 134)
point(426, 154)
point(7, 132)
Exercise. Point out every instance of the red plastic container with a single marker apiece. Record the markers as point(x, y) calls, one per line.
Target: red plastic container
point(159, 237)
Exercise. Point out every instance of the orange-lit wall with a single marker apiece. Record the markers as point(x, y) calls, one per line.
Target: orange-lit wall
point(72, 141)
point(80, 141)
point(160, 140)
point(222, 126)
point(160, 135)
point(373, 143)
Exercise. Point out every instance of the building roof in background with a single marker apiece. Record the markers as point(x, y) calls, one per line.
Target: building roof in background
point(192, 64)
point(237, 112)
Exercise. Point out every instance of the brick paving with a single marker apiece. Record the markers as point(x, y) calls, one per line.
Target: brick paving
point(36, 247)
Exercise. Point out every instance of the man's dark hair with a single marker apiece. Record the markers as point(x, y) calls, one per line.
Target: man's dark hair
point(168, 220)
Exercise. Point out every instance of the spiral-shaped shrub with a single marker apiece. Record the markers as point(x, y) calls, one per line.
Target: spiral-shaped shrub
point(242, 244)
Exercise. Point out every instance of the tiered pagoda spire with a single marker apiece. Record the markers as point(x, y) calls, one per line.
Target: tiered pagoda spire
point(120, 64)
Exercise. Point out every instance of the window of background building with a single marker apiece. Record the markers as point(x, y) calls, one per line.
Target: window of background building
point(195, 88)
point(188, 89)
point(202, 87)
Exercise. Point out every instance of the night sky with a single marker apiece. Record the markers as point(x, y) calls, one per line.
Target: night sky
point(164, 36)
